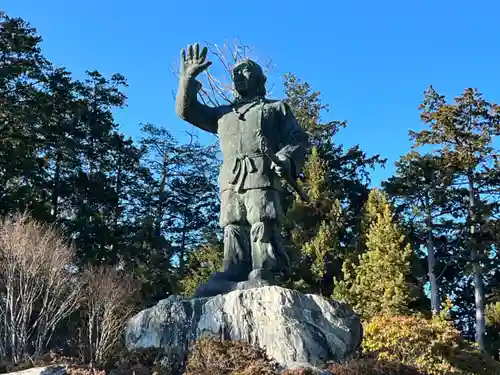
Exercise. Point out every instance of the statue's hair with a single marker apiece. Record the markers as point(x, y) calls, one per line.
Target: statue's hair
point(261, 86)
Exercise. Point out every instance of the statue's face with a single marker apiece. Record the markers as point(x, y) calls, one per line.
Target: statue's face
point(245, 79)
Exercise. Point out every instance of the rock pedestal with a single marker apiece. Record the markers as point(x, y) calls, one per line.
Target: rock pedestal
point(294, 328)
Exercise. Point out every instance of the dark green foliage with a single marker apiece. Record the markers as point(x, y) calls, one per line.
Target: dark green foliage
point(141, 205)
point(464, 133)
point(426, 207)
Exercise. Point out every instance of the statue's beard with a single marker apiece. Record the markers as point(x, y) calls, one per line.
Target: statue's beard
point(244, 91)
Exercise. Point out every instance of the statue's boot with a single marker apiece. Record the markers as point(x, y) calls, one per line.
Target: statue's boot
point(260, 277)
point(237, 263)
point(264, 253)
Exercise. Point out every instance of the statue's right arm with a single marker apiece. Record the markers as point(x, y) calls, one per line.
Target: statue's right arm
point(191, 110)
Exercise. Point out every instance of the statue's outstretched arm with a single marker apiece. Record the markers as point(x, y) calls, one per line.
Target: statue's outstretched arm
point(191, 110)
point(187, 105)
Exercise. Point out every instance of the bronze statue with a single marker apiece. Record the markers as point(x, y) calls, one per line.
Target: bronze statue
point(261, 141)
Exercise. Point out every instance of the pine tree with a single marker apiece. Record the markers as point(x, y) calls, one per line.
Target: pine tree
point(425, 203)
point(337, 181)
point(314, 227)
point(194, 201)
point(23, 72)
point(464, 132)
point(95, 198)
point(378, 282)
point(178, 207)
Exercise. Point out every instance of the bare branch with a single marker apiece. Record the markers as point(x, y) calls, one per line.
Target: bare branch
point(217, 90)
point(37, 285)
point(110, 297)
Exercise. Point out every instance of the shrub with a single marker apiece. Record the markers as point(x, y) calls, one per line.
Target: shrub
point(109, 297)
point(431, 345)
point(140, 362)
point(372, 366)
point(38, 289)
point(211, 356)
point(492, 314)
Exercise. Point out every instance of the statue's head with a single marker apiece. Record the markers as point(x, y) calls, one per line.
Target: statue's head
point(249, 79)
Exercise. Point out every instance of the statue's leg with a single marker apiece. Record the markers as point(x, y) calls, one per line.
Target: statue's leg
point(237, 262)
point(264, 213)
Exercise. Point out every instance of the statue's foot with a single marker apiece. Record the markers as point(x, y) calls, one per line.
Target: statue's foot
point(233, 275)
point(213, 287)
point(261, 276)
point(220, 276)
point(219, 283)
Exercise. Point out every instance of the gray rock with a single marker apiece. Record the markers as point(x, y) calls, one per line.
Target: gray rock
point(315, 370)
point(294, 328)
point(48, 370)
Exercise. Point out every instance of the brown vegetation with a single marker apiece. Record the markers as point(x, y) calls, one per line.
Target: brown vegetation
point(109, 297)
point(210, 356)
point(38, 287)
point(41, 288)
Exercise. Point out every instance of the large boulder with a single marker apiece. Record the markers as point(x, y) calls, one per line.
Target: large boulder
point(295, 329)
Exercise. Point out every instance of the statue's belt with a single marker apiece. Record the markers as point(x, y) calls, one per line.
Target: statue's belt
point(242, 165)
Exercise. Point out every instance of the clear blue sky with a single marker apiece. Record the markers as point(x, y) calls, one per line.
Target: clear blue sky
point(371, 60)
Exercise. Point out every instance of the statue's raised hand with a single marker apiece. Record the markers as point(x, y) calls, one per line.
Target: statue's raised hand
point(195, 62)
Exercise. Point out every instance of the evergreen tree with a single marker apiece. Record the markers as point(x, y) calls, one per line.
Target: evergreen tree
point(426, 204)
point(464, 132)
point(337, 181)
point(23, 72)
point(195, 200)
point(379, 282)
point(96, 201)
point(177, 207)
point(314, 228)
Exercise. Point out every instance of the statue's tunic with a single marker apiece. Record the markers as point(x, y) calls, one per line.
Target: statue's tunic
point(249, 188)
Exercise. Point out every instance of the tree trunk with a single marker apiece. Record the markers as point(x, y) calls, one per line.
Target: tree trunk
point(182, 251)
point(476, 264)
point(118, 183)
point(55, 187)
point(431, 262)
point(479, 300)
point(160, 210)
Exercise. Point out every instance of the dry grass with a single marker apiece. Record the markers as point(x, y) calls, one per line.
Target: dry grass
point(211, 356)
point(371, 366)
point(140, 362)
